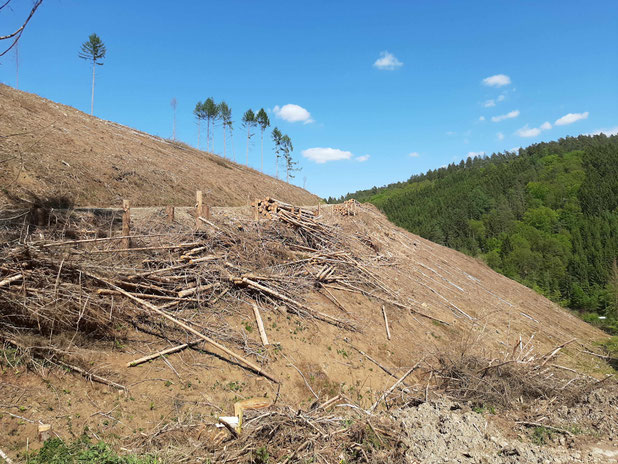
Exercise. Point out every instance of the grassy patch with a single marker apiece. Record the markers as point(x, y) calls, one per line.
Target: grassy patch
point(56, 451)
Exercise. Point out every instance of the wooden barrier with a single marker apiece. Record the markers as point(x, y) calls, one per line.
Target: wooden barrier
point(126, 223)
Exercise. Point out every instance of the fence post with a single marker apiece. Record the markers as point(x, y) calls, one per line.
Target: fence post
point(198, 208)
point(126, 223)
point(170, 214)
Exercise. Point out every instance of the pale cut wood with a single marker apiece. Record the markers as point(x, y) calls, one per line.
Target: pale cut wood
point(171, 350)
point(9, 280)
point(388, 331)
point(260, 324)
point(191, 291)
point(170, 214)
point(153, 308)
point(5, 457)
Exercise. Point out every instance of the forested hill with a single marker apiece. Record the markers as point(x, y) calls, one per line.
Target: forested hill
point(546, 216)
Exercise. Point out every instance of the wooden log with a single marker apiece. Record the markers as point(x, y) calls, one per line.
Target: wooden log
point(156, 310)
point(170, 214)
point(122, 250)
point(260, 324)
point(191, 291)
point(388, 331)
point(198, 207)
point(9, 280)
point(126, 223)
point(171, 350)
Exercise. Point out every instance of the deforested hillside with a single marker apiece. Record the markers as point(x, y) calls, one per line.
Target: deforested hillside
point(52, 153)
point(546, 216)
point(345, 332)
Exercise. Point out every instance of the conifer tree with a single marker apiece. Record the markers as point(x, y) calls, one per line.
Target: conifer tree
point(93, 50)
point(264, 123)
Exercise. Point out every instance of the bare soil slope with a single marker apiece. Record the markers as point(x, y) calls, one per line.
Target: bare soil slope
point(52, 151)
point(172, 402)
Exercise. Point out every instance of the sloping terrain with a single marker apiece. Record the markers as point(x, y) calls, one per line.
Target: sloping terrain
point(52, 153)
point(327, 337)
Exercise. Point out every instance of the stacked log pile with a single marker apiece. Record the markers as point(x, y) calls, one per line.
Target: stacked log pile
point(347, 208)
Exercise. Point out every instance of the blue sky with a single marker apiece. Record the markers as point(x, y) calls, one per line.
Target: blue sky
point(367, 84)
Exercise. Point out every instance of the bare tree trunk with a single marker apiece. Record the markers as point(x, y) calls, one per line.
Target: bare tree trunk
point(92, 98)
point(248, 137)
point(208, 134)
point(262, 155)
point(232, 142)
point(224, 140)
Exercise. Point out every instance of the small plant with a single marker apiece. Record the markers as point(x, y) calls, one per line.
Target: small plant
point(541, 435)
point(261, 456)
point(248, 327)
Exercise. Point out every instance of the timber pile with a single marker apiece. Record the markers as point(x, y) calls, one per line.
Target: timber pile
point(347, 208)
point(270, 208)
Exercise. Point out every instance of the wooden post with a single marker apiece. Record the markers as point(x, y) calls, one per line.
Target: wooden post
point(206, 214)
point(318, 211)
point(170, 214)
point(260, 325)
point(256, 213)
point(388, 331)
point(198, 208)
point(126, 223)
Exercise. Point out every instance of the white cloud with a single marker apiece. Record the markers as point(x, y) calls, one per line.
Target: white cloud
point(528, 132)
point(474, 154)
point(362, 159)
point(514, 150)
point(387, 62)
point(608, 132)
point(501, 98)
point(324, 155)
point(498, 80)
point(571, 118)
point(414, 154)
point(293, 113)
point(500, 136)
point(545, 126)
point(482, 118)
point(451, 133)
point(489, 103)
point(502, 117)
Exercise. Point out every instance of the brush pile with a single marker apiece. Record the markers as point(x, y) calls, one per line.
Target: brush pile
point(88, 284)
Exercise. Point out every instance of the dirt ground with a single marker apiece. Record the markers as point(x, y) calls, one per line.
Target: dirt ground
point(486, 313)
point(56, 155)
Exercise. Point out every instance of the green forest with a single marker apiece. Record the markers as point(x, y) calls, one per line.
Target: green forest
point(546, 216)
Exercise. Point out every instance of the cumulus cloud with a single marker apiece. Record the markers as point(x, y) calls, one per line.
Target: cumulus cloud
point(528, 132)
point(514, 150)
point(414, 154)
point(482, 118)
point(501, 98)
point(545, 126)
point(570, 118)
point(387, 62)
point(293, 113)
point(324, 155)
point(362, 159)
point(498, 80)
point(474, 154)
point(502, 117)
point(500, 136)
point(489, 103)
